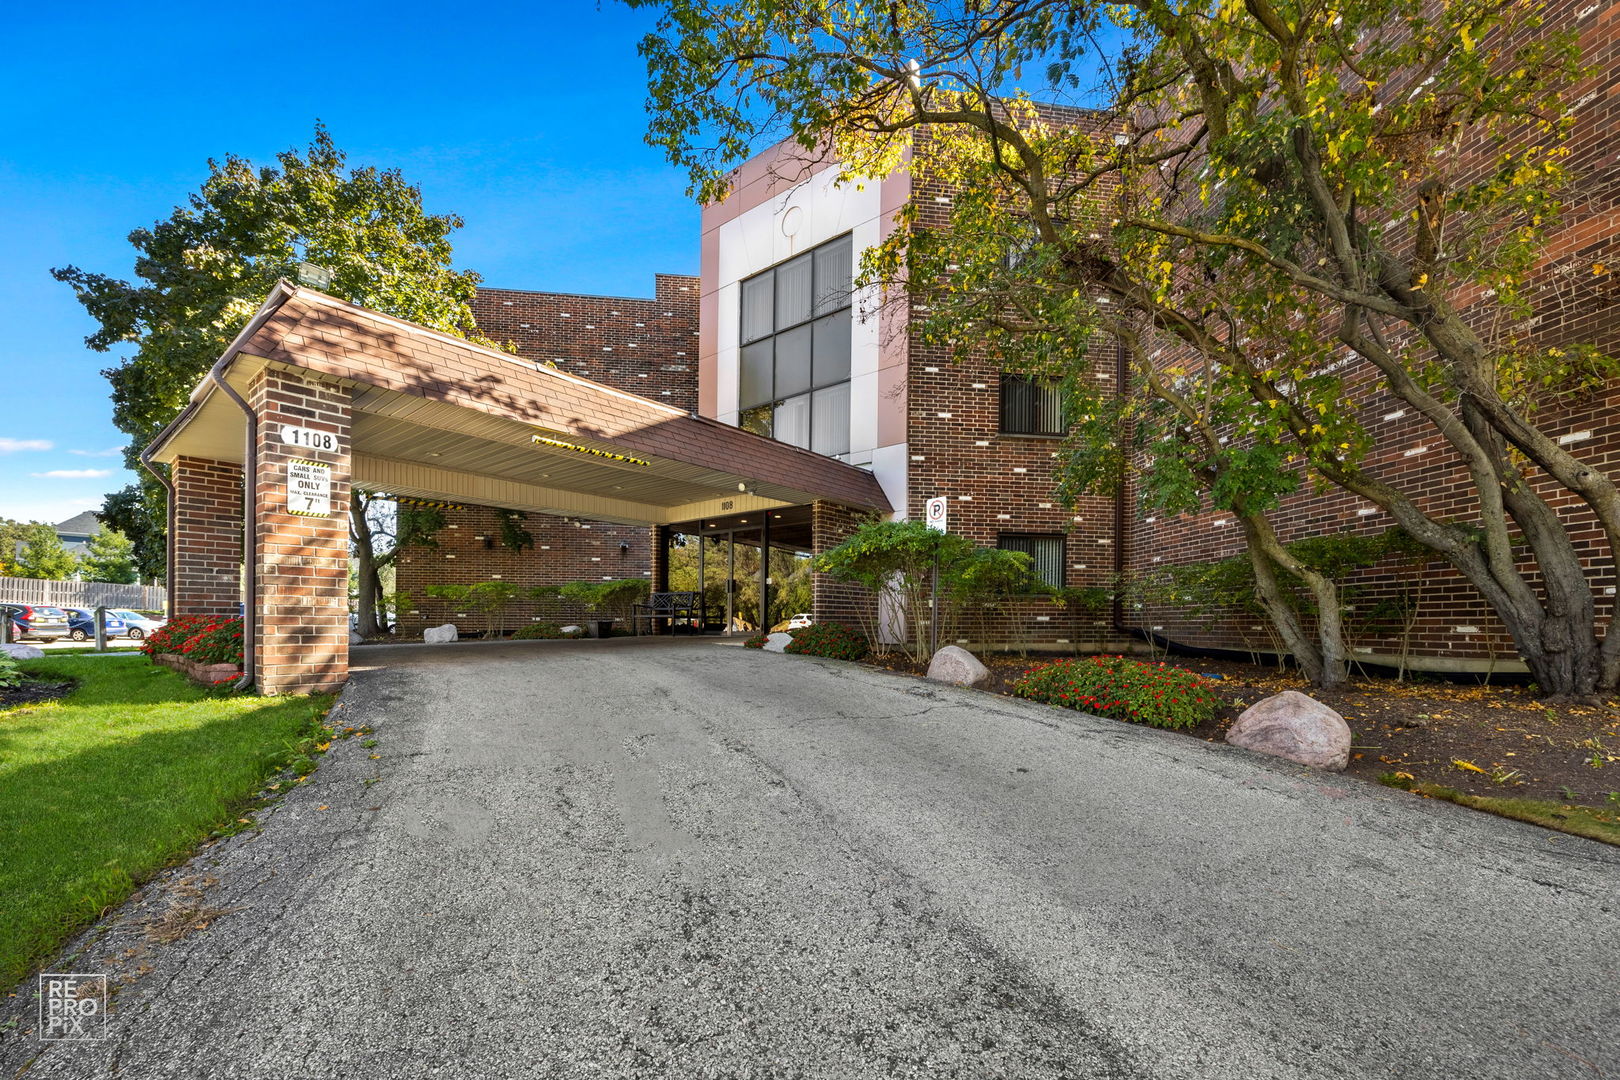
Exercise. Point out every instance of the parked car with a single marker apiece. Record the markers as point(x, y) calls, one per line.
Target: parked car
point(800, 621)
point(40, 623)
point(82, 624)
point(140, 626)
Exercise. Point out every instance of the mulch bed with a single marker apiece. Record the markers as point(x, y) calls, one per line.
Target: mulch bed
point(1481, 740)
point(32, 693)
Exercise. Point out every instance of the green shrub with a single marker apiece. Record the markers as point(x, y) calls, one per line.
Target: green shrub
point(545, 631)
point(615, 597)
point(755, 642)
point(10, 674)
point(830, 639)
point(1112, 686)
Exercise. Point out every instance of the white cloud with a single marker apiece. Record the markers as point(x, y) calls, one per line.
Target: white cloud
point(110, 452)
point(11, 446)
point(73, 474)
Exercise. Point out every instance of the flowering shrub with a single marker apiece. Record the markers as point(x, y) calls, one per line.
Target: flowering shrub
point(830, 639)
point(757, 641)
point(545, 631)
point(1113, 686)
point(206, 639)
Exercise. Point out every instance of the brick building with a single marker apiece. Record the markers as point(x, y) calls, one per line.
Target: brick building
point(771, 338)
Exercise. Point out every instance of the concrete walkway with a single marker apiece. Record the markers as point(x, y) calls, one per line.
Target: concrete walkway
point(623, 858)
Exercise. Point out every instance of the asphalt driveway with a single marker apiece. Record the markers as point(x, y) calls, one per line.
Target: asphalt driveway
point(606, 859)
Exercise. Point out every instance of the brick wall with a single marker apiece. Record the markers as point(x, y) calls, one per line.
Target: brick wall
point(640, 346)
point(302, 632)
point(206, 578)
point(1451, 624)
point(470, 551)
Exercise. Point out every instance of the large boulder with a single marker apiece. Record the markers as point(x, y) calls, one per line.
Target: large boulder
point(355, 639)
point(954, 664)
point(440, 635)
point(1294, 726)
point(18, 651)
point(777, 642)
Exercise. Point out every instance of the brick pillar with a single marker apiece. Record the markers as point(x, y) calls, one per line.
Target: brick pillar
point(303, 562)
point(836, 601)
point(206, 578)
point(658, 541)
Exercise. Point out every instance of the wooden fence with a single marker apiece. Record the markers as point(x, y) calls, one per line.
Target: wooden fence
point(81, 594)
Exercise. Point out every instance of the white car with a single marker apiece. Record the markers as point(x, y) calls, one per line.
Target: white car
point(139, 626)
point(800, 621)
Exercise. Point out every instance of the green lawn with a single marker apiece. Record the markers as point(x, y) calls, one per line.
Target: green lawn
point(100, 789)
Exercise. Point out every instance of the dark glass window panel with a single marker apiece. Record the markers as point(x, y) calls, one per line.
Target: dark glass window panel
point(835, 270)
point(832, 347)
point(793, 361)
point(829, 428)
point(756, 385)
point(756, 308)
point(791, 423)
point(1045, 556)
point(757, 420)
point(793, 292)
point(1031, 406)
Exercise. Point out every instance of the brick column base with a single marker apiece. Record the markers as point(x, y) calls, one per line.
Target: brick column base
point(303, 559)
point(831, 600)
point(206, 578)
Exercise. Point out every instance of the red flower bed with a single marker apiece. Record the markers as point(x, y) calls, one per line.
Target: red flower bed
point(1113, 686)
point(202, 639)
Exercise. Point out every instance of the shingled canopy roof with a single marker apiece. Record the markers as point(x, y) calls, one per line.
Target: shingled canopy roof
point(436, 417)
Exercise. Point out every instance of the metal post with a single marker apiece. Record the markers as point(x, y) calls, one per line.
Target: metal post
point(101, 629)
point(731, 581)
point(703, 580)
point(933, 607)
point(5, 624)
point(765, 574)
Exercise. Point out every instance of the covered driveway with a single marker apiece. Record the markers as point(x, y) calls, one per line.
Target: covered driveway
point(647, 859)
point(317, 396)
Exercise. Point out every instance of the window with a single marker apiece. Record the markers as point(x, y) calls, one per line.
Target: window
point(1032, 406)
point(1045, 555)
point(793, 382)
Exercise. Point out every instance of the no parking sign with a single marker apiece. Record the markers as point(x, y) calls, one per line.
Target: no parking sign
point(935, 515)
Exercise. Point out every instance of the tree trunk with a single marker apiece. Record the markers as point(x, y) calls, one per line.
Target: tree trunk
point(368, 581)
point(1325, 660)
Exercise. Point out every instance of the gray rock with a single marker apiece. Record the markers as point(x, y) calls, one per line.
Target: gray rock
point(354, 638)
point(23, 652)
point(1294, 726)
point(954, 664)
point(778, 642)
point(440, 635)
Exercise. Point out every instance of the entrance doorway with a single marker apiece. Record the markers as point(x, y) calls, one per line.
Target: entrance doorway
point(743, 591)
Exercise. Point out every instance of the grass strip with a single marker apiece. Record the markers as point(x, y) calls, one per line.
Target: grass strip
point(126, 774)
point(1594, 823)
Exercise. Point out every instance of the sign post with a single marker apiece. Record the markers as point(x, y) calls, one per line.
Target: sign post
point(935, 517)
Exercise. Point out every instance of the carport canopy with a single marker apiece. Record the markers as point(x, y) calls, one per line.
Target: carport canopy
point(437, 417)
point(317, 396)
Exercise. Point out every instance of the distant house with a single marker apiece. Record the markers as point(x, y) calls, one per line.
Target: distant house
point(76, 531)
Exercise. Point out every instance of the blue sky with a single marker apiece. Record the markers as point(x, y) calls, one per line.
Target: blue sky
point(526, 119)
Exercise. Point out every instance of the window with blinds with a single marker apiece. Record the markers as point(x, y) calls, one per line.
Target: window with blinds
point(1045, 555)
point(793, 382)
point(1031, 406)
